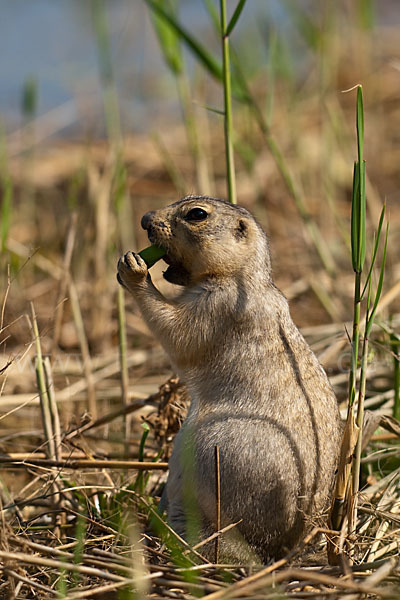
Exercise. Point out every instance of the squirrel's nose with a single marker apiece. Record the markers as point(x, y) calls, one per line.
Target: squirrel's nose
point(146, 219)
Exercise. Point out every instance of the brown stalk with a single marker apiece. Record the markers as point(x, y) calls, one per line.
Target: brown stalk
point(43, 392)
point(108, 418)
point(123, 363)
point(216, 535)
point(32, 559)
point(30, 582)
point(59, 518)
point(83, 343)
point(100, 195)
point(105, 589)
point(3, 306)
point(122, 567)
point(245, 586)
point(338, 509)
point(218, 502)
point(55, 419)
point(63, 282)
point(135, 359)
point(86, 464)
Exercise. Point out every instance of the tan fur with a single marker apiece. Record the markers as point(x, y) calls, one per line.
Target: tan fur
point(258, 392)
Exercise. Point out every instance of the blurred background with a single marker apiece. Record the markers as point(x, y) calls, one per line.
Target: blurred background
point(109, 109)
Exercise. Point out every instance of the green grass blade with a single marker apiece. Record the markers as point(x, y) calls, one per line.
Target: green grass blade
point(217, 111)
point(375, 249)
point(358, 215)
point(235, 17)
point(355, 216)
point(370, 321)
point(169, 40)
point(146, 430)
point(362, 216)
point(358, 218)
point(140, 479)
point(99, 16)
point(213, 12)
point(6, 211)
point(366, 14)
point(271, 69)
point(207, 59)
point(212, 65)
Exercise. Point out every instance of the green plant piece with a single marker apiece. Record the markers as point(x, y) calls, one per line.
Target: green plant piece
point(6, 210)
point(151, 255)
point(168, 38)
point(369, 320)
point(375, 249)
point(80, 536)
point(378, 293)
point(366, 14)
point(235, 16)
point(207, 59)
point(140, 483)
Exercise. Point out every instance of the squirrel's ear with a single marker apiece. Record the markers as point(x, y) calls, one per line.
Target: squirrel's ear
point(241, 229)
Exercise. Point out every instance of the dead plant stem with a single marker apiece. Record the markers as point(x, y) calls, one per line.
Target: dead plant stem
point(83, 342)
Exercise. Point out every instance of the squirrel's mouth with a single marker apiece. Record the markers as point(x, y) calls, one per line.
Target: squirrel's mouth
point(176, 272)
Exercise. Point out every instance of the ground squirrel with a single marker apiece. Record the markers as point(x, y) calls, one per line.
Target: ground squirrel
point(258, 392)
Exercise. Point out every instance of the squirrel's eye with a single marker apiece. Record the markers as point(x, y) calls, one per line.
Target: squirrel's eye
point(196, 214)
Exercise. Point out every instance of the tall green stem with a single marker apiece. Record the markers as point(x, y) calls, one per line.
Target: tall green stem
point(226, 68)
point(355, 339)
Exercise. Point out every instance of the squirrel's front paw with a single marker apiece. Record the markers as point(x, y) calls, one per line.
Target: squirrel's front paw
point(131, 270)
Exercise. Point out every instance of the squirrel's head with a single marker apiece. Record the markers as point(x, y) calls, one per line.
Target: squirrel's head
point(207, 238)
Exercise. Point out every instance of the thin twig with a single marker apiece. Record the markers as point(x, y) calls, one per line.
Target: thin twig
point(216, 534)
point(123, 362)
point(32, 559)
point(3, 306)
point(55, 419)
point(108, 418)
point(105, 589)
point(86, 464)
point(218, 502)
point(30, 582)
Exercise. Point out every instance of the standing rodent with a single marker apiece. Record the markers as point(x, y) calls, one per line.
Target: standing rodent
point(258, 391)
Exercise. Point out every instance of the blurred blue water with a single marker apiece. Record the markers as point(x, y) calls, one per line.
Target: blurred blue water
point(53, 42)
